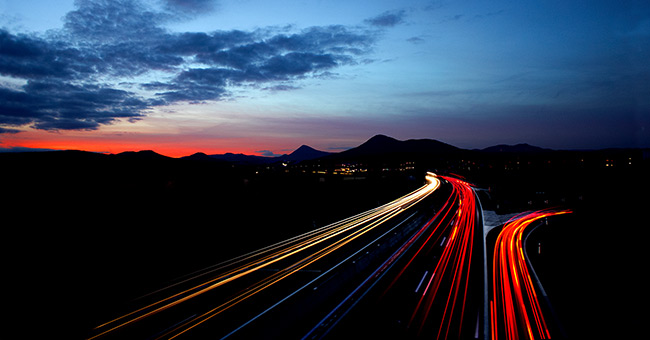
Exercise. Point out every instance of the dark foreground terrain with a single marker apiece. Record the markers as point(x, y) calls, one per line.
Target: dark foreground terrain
point(84, 233)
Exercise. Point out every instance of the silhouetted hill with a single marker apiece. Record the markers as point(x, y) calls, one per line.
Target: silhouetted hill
point(429, 146)
point(384, 145)
point(304, 153)
point(241, 158)
point(202, 157)
point(301, 154)
point(199, 156)
point(141, 155)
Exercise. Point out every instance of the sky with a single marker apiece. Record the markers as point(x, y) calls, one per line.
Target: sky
point(264, 77)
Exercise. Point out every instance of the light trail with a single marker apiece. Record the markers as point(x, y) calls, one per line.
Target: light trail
point(440, 305)
point(319, 277)
point(284, 273)
point(323, 327)
point(301, 251)
point(515, 310)
point(421, 280)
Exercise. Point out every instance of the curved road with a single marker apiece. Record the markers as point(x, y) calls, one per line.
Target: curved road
point(413, 268)
point(224, 299)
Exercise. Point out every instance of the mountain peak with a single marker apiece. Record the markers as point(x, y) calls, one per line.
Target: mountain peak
point(199, 156)
point(382, 144)
point(303, 148)
point(305, 152)
point(379, 142)
point(143, 154)
point(381, 139)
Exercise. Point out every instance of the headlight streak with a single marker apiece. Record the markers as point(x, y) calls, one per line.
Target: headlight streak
point(250, 291)
point(320, 276)
point(340, 234)
point(357, 294)
point(515, 310)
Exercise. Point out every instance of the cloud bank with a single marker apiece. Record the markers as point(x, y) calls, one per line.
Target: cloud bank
point(114, 60)
point(387, 19)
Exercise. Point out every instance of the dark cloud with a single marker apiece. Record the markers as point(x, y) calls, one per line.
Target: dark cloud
point(267, 153)
point(191, 6)
point(280, 87)
point(297, 63)
point(5, 130)
point(22, 56)
point(201, 44)
point(387, 19)
point(109, 21)
point(334, 38)
point(237, 58)
point(193, 85)
point(23, 149)
point(416, 40)
point(70, 75)
point(54, 105)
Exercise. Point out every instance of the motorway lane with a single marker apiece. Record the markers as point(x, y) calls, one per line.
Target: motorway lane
point(517, 309)
point(305, 306)
point(246, 287)
point(435, 289)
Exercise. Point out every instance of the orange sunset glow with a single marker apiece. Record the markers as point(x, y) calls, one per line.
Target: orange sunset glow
point(113, 143)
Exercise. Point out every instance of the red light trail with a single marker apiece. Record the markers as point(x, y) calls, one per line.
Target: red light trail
point(446, 302)
point(515, 310)
point(449, 281)
point(440, 265)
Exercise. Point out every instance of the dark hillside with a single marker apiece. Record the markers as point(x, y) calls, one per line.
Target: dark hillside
point(110, 228)
point(381, 145)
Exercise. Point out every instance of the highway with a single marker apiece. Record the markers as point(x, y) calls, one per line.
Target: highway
point(432, 286)
point(413, 268)
point(437, 286)
point(516, 308)
point(224, 299)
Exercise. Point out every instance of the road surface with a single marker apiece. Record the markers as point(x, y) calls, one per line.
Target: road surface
point(416, 267)
point(516, 307)
point(227, 299)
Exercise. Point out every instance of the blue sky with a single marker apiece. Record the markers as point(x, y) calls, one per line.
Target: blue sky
point(244, 76)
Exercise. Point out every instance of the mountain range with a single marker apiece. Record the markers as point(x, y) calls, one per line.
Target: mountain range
point(382, 145)
point(303, 153)
point(378, 145)
point(376, 148)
